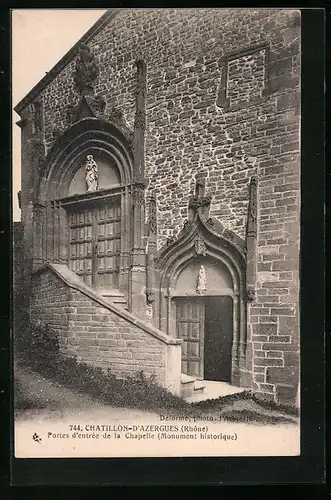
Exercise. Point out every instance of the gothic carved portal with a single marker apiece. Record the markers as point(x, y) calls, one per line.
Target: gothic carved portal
point(202, 299)
point(85, 212)
point(90, 200)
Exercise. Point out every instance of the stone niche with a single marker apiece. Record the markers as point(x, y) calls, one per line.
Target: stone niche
point(108, 177)
point(218, 279)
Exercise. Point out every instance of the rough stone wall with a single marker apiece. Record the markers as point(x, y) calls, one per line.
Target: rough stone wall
point(95, 334)
point(98, 335)
point(186, 131)
point(190, 130)
point(246, 78)
point(48, 304)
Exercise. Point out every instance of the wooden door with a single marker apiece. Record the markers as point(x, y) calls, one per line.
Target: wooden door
point(81, 222)
point(190, 328)
point(108, 245)
point(95, 243)
point(218, 338)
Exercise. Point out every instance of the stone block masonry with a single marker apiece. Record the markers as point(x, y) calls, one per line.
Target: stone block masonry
point(96, 334)
point(246, 78)
point(227, 125)
point(186, 131)
point(100, 334)
point(49, 305)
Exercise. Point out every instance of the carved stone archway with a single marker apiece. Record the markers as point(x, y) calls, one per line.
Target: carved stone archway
point(206, 240)
point(87, 135)
point(105, 140)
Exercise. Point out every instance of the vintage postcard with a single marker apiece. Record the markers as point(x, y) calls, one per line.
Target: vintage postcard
point(156, 175)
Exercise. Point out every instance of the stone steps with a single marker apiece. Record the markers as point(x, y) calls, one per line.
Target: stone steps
point(190, 386)
point(287, 393)
point(115, 297)
point(212, 390)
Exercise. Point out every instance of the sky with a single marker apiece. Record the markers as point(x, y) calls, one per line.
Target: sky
point(40, 38)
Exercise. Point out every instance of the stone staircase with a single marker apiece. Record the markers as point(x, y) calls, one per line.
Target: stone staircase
point(190, 386)
point(115, 297)
point(287, 393)
point(211, 390)
point(193, 390)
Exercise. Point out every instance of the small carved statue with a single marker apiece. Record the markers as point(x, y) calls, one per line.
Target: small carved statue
point(91, 174)
point(202, 281)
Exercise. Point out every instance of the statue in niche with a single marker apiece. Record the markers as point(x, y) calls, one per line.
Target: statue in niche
point(202, 281)
point(91, 174)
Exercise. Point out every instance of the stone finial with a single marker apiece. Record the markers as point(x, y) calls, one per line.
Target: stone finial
point(252, 208)
point(251, 237)
point(199, 203)
point(140, 116)
point(141, 78)
point(38, 152)
point(151, 249)
point(86, 70)
point(140, 120)
point(187, 225)
point(152, 219)
point(70, 113)
point(200, 185)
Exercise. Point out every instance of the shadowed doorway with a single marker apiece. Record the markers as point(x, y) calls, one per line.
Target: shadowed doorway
point(218, 326)
point(205, 325)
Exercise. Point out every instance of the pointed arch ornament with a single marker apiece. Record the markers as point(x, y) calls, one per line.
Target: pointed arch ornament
point(208, 239)
point(102, 139)
point(91, 128)
point(203, 237)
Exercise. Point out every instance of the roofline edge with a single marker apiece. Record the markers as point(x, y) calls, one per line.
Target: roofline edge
point(65, 60)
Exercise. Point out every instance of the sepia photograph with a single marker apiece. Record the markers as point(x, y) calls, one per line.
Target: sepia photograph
point(156, 232)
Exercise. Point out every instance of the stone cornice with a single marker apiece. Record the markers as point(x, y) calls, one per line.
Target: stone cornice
point(66, 59)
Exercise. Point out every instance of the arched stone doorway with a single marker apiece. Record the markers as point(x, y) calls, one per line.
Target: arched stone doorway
point(95, 226)
point(203, 318)
point(202, 297)
point(92, 231)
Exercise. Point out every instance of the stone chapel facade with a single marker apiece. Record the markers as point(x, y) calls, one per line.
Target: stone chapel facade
point(161, 197)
